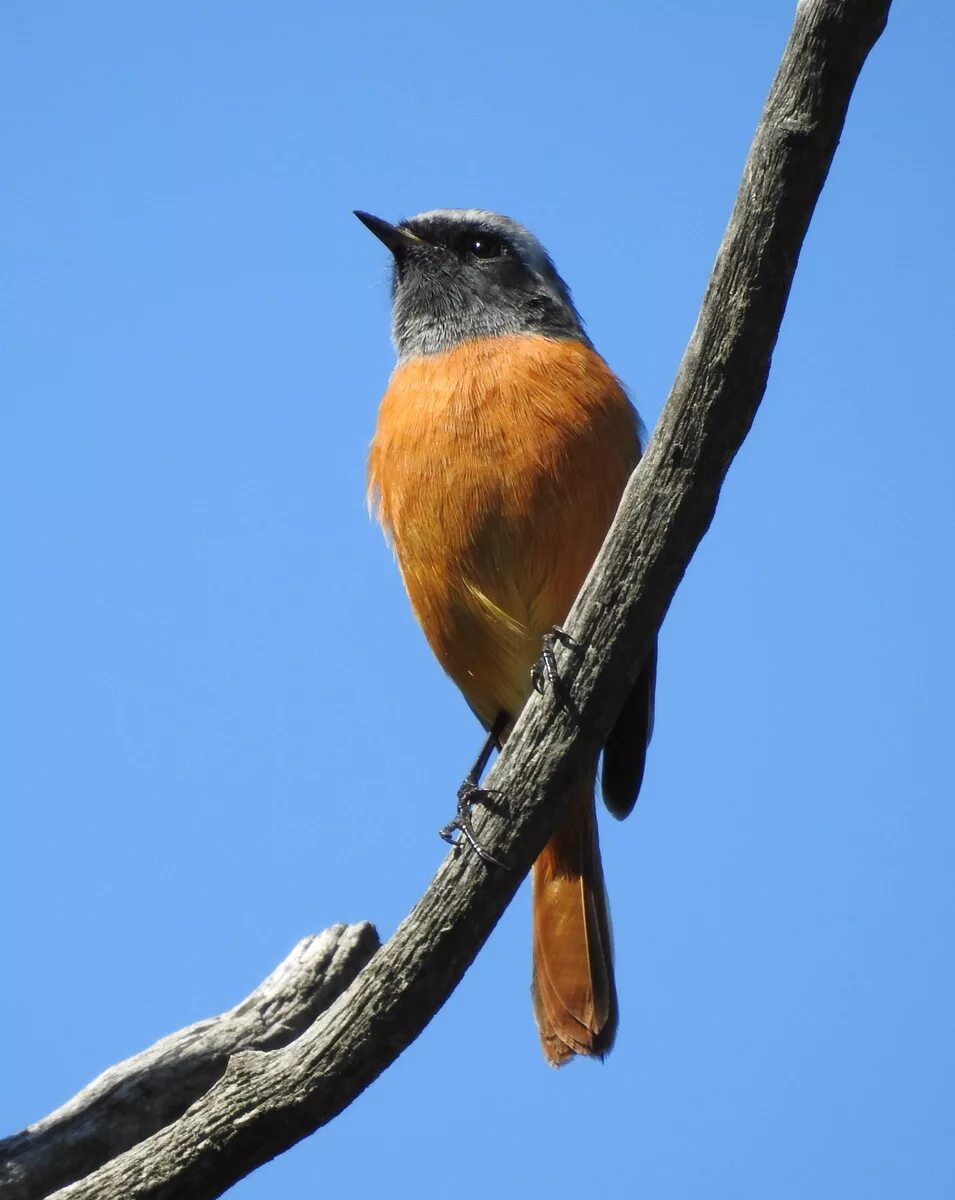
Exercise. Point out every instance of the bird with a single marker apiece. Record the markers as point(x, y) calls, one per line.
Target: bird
point(502, 446)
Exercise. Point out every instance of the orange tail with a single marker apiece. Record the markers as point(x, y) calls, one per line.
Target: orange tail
point(575, 1000)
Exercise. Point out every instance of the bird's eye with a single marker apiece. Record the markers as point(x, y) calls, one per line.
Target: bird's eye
point(484, 246)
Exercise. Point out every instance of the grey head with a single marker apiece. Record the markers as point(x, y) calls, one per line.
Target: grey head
point(463, 273)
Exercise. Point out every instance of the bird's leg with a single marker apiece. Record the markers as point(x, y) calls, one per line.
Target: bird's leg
point(545, 672)
point(470, 793)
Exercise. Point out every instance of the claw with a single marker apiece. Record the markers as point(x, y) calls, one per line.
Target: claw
point(469, 794)
point(545, 671)
point(565, 639)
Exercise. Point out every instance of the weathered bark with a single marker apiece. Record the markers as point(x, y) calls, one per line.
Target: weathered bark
point(133, 1099)
point(266, 1101)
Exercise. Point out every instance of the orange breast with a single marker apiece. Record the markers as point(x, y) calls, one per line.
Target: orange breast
point(497, 468)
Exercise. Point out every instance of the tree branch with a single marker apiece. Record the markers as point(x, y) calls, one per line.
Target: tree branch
point(133, 1099)
point(267, 1100)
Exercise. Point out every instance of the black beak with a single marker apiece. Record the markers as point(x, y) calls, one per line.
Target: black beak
point(394, 237)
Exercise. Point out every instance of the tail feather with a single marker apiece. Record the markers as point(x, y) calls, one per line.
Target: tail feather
point(575, 1000)
point(625, 753)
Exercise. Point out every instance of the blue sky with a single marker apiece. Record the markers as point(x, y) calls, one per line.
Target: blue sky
point(222, 728)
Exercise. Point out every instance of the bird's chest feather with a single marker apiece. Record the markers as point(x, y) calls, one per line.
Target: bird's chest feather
point(497, 468)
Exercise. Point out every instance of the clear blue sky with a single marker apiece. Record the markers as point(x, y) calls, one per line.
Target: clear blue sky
point(222, 729)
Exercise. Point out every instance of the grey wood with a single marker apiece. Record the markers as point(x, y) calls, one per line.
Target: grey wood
point(136, 1097)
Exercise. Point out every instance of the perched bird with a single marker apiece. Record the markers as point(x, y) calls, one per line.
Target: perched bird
point(502, 446)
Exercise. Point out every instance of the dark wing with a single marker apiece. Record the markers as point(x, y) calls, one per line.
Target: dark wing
point(626, 750)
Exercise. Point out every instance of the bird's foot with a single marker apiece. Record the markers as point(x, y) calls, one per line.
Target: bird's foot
point(544, 672)
point(460, 830)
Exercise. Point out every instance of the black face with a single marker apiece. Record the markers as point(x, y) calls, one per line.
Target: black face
point(471, 240)
point(466, 274)
point(471, 252)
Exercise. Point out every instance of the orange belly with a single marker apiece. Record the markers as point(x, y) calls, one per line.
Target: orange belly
point(497, 468)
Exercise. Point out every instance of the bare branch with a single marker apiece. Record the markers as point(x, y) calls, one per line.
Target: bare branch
point(133, 1099)
point(266, 1101)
